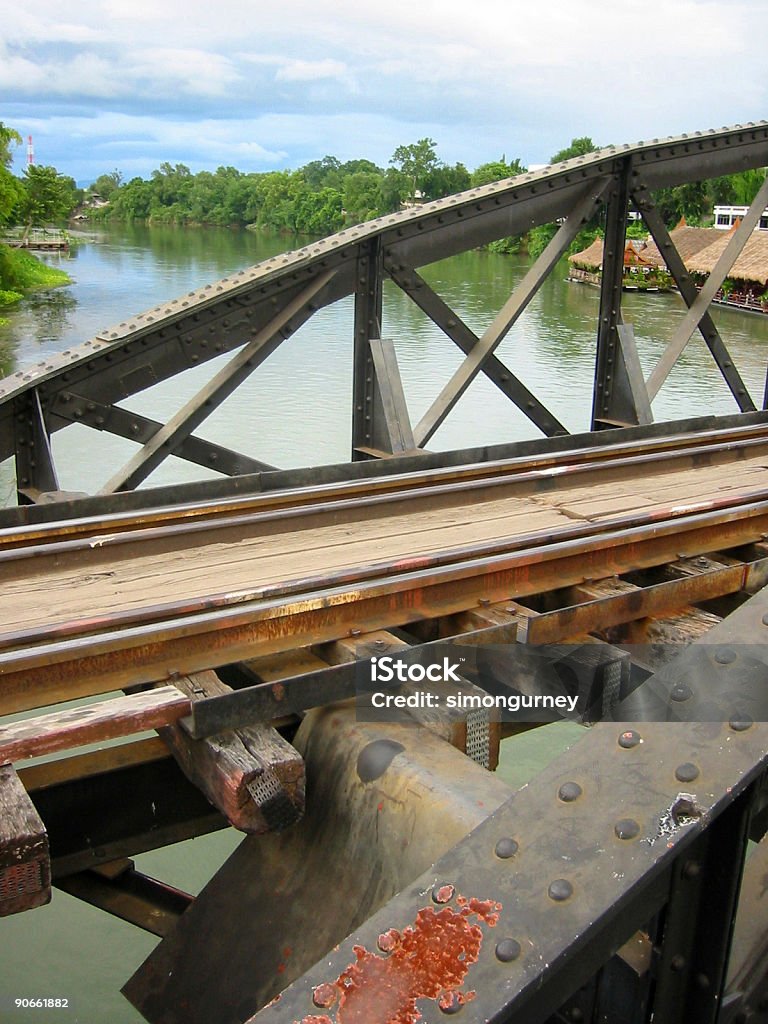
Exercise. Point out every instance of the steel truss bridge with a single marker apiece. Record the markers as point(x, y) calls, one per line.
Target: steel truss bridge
point(388, 876)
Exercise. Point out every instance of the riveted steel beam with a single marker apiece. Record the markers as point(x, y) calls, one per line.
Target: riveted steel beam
point(441, 314)
point(165, 441)
point(154, 346)
point(701, 303)
point(35, 469)
point(610, 402)
point(368, 422)
point(709, 332)
point(584, 209)
point(549, 886)
point(132, 425)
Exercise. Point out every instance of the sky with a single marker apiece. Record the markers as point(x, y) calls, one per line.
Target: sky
point(124, 85)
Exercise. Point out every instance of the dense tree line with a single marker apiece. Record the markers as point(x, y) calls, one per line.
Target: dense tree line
point(318, 198)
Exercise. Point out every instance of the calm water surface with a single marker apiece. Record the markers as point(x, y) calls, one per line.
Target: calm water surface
point(295, 411)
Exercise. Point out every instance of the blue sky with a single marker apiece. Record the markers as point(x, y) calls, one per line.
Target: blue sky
point(127, 84)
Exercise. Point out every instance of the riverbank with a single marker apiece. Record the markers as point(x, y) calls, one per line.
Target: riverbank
point(22, 273)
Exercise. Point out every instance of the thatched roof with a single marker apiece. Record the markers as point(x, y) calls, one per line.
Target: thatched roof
point(591, 258)
point(688, 241)
point(752, 262)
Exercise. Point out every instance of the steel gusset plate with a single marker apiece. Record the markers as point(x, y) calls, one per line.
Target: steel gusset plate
point(525, 909)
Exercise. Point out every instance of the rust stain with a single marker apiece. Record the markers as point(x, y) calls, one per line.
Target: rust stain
point(427, 960)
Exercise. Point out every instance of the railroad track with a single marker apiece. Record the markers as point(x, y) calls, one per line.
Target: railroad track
point(139, 598)
point(404, 486)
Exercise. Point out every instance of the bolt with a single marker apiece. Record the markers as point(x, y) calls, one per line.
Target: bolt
point(741, 724)
point(630, 739)
point(569, 791)
point(626, 828)
point(449, 1003)
point(725, 656)
point(677, 963)
point(691, 869)
point(387, 941)
point(506, 848)
point(324, 996)
point(681, 692)
point(560, 890)
point(508, 950)
point(686, 772)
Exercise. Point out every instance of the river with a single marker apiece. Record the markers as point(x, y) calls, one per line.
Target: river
point(296, 411)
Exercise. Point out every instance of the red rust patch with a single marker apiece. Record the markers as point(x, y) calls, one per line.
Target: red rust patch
point(427, 960)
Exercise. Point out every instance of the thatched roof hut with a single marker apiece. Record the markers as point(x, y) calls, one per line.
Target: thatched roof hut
point(591, 258)
point(688, 242)
point(752, 262)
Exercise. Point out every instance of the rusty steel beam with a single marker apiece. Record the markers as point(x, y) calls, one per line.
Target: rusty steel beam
point(158, 650)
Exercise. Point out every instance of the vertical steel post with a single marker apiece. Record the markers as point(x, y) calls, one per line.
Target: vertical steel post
point(699, 920)
point(368, 311)
point(35, 470)
point(603, 400)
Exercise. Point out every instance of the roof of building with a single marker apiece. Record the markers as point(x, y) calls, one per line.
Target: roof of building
point(751, 264)
point(688, 241)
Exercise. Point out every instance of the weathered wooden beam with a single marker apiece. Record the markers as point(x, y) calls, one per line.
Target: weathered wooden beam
point(95, 762)
point(92, 723)
point(252, 775)
point(118, 889)
point(25, 865)
point(470, 730)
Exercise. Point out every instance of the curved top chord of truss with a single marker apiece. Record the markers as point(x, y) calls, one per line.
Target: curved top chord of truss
point(255, 309)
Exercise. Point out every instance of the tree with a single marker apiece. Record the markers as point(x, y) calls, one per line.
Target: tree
point(362, 195)
point(578, 147)
point(495, 171)
point(9, 137)
point(10, 187)
point(444, 181)
point(46, 195)
point(416, 161)
point(107, 184)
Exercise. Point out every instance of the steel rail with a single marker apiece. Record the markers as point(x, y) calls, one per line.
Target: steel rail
point(450, 556)
point(281, 618)
point(299, 508)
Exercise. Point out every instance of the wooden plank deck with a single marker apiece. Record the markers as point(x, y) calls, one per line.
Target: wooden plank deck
point(114, 579)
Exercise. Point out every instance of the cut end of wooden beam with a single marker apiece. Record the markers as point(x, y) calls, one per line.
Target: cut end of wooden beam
point(25, 863)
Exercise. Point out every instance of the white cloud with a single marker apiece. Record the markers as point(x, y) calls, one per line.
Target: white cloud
point(492, 76)
point(311, 70)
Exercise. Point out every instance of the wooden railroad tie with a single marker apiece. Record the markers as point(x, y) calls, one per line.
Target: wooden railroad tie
point(25, 863)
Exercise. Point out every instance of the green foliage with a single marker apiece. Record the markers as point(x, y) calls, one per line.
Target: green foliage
point(9, 138)
point(578, 147)
point(362, 195)
point(21, 272)
point(416, 161)
point(495, 171)
point(47, 196)
point(444, 181)
point(107, 184)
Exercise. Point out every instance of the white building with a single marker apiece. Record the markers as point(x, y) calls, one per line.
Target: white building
point(726, 217)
